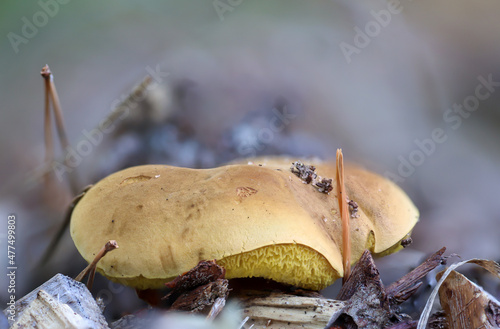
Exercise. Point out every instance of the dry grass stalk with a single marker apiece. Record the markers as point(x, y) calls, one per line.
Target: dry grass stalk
point(58, 236)
point(49, 146)
point(344, 214)
point(51, 95)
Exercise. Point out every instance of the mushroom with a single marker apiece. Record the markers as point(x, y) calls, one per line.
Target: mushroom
point(257, 219)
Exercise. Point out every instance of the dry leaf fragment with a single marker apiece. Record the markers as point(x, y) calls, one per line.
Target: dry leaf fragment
point(489, 265)
point(466, 304)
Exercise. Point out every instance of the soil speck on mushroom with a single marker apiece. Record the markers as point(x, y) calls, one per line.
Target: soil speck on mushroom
point(305, 172)
point(353, 207)
point(324, 185)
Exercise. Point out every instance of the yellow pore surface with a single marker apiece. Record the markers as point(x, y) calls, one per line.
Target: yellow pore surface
point(288, 263)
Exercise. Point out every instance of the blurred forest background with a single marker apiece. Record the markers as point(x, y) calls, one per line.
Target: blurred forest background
point(378, 81)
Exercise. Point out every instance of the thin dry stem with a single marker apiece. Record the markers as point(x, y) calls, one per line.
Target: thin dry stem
point(65, 224)
point(50, 88)
point(118, 111)
point(90, 280)
point(344, 215)
point(49, 146)
point(139, 89)
point(61, 131)
point(90, 269)
point(51, 94)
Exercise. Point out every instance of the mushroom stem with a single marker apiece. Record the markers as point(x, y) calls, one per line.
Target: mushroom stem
point(344, 215)
point(109, 246)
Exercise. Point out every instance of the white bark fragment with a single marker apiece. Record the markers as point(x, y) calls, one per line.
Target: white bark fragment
point(48, 313)
point(59, 300)
point(287, 311)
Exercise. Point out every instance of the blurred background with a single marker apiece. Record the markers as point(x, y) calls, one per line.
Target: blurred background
point(410, 90)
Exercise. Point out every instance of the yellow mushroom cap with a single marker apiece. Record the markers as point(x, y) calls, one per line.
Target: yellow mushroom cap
point(260, 221)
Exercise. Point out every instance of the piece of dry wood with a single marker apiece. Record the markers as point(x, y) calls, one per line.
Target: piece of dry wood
point(217, 307)
point(364, 273)
point(365, 297)
point(66, 291)
point(369, 304)
point(466, 304)
point(203, 273)
point(202, 289)
point(278, 310)
point(47, 312)
point(402, 289)
point(202, 298)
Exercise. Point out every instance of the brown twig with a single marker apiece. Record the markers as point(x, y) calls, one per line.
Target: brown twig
point(344, 214)
point(109, 246)
point(402, 289)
